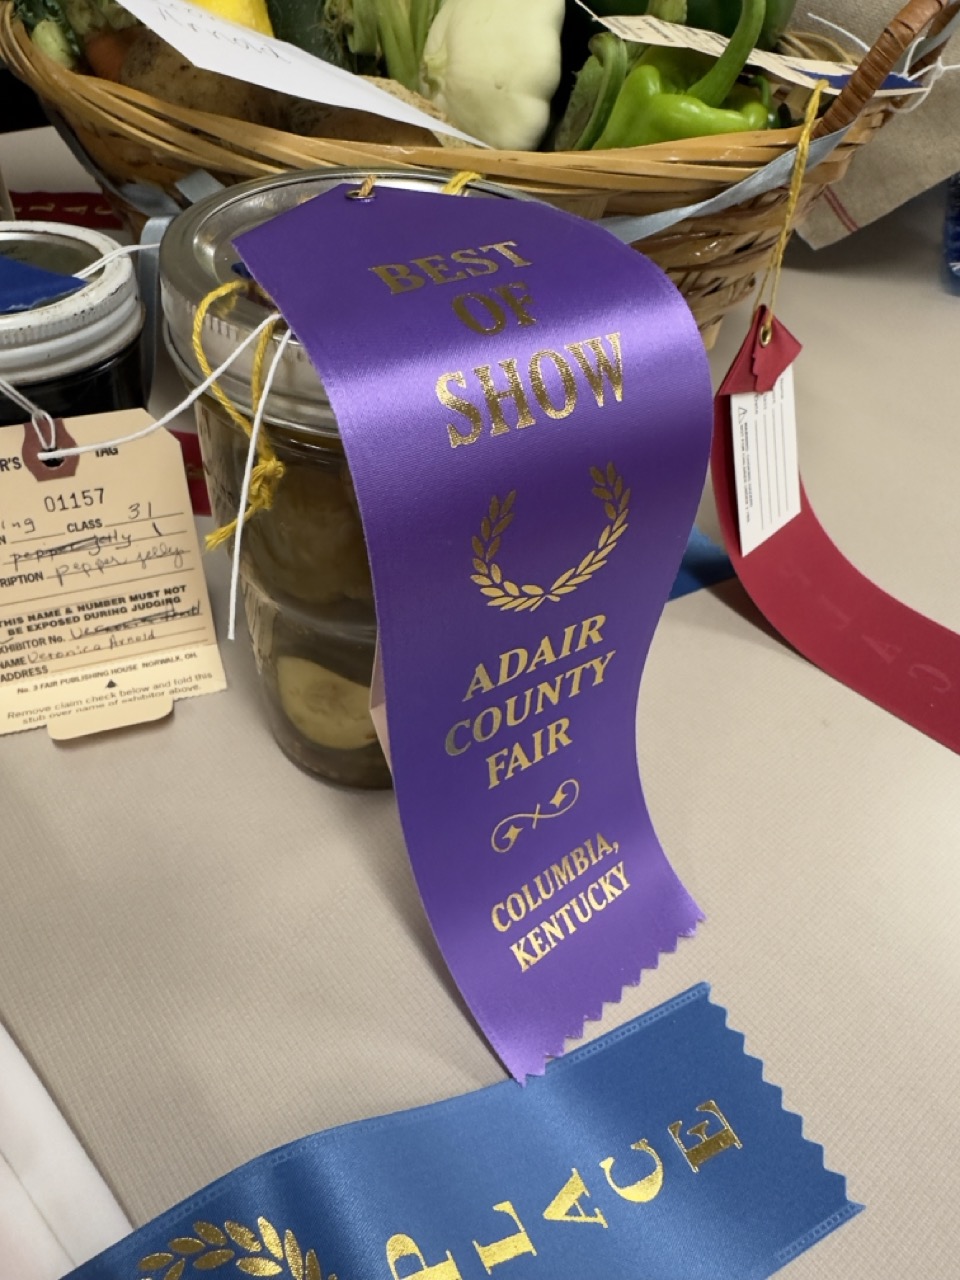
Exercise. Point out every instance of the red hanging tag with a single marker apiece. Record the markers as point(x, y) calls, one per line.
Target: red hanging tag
point(762, 358)
point(806, 588)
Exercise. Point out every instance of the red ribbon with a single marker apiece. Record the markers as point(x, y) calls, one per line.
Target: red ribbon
point(807, 589)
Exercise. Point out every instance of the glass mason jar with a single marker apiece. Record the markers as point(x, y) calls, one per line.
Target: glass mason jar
point(80, 353)
point(304, 570)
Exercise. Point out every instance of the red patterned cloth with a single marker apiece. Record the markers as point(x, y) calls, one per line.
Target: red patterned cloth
point(79, 208)
point(196, 480)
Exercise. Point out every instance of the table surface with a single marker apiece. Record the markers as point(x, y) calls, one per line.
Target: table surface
point(205, 953)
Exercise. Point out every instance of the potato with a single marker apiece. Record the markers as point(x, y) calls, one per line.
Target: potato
point(155, 67)
point(319, 120)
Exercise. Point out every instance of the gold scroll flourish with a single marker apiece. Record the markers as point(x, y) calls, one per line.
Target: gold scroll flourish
point(253, 1253)
point(508, 830)
point(502, 593)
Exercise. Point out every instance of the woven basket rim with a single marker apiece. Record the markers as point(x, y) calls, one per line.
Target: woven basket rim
point(682, 172)
point(132, 142)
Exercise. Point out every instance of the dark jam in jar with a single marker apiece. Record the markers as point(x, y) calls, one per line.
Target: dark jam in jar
point(80, 353)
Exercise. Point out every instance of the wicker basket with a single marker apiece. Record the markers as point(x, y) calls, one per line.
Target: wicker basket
point(714, 258)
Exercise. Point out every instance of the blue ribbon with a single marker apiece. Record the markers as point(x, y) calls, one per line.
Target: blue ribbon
point(22, 285)
point(633, 227)
point(655, 1153)
point(704, 564)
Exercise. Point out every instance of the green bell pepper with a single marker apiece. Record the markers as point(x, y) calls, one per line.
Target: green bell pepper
point(679, 93)
point(595, 91)
point(722, 15)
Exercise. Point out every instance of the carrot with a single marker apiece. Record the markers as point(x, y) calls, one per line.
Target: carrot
point(106, 50)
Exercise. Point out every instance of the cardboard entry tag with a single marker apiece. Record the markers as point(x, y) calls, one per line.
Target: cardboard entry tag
point(104, 613)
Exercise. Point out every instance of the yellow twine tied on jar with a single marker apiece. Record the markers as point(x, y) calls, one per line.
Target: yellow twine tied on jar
point(460, 181)
point(268, 471)
point(793, 199)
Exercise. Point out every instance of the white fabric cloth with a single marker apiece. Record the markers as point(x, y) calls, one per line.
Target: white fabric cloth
point(55, 1209)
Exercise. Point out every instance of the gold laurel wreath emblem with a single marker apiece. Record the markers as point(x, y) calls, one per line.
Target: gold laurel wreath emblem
point(501, 593)
point(253, 1253)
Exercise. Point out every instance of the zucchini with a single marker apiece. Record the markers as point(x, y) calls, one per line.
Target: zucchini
point(314, 26)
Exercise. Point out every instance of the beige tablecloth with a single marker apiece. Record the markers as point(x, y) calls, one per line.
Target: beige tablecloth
point(205, 953)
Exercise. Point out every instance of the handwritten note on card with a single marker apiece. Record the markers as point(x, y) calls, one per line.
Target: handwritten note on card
point(215, 44)
point(104, 615)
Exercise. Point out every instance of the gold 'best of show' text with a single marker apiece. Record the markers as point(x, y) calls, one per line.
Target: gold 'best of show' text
point(550, 380)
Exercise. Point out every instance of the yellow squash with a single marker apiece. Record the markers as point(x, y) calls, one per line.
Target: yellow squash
point(248, 13)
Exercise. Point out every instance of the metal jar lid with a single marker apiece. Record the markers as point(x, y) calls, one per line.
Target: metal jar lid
point(197, 255)
point(79, 330)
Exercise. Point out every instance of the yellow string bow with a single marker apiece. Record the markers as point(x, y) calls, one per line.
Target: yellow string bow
point(793, 199)
point(268, 470)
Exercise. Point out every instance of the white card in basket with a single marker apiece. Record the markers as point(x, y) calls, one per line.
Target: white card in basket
point(642, 29)
point(217, 45)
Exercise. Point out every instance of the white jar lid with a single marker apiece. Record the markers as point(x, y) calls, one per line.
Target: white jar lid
point(80, 330)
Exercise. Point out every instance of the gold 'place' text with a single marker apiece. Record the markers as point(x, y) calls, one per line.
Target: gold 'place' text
point(632, 1178)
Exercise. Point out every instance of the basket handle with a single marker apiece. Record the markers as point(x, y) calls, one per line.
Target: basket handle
point(912, 20)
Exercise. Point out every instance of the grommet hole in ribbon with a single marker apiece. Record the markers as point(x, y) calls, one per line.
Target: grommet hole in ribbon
point(365, 190)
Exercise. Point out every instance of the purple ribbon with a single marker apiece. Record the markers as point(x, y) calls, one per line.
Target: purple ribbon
point(526, 408)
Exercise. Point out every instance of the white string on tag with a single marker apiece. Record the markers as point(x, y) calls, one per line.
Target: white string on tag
point(247, 474)
point(122, 251)
point(185, 403)
point(936, 71)
point(835, 26)
point(39, 418)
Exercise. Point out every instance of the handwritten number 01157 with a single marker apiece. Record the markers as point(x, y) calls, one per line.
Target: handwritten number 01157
point(74, 501)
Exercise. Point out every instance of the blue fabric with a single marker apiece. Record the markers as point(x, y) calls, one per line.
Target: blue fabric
point(23, 285)
point(521, 1182)
point(703, 565)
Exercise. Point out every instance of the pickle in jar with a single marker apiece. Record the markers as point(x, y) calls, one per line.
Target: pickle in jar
point(327, 709)
point(309, 545)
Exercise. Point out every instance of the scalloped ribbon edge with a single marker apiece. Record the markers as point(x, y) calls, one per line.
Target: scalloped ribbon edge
point(553, 1057)
point(702, 991)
